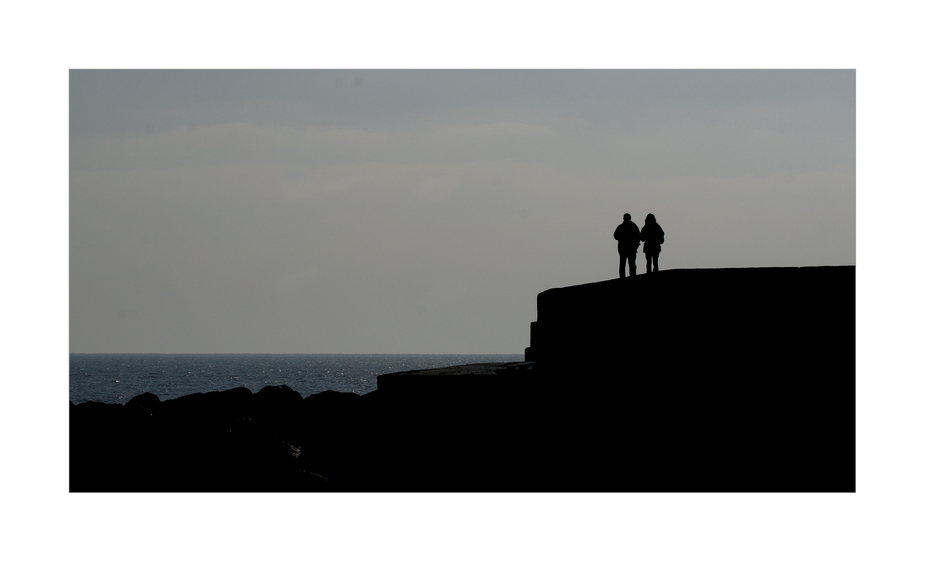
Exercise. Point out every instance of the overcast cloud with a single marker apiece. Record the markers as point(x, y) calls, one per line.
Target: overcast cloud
point(422, 211)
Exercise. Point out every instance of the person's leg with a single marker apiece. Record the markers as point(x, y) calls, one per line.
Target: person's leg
point(648, 263)
point(655, 261)
point(622, 265)
point(632, 258)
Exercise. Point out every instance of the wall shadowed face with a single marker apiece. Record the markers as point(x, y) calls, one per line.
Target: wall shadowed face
point(422, 211)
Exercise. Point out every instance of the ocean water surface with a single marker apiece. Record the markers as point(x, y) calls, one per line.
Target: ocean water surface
point(116, 378)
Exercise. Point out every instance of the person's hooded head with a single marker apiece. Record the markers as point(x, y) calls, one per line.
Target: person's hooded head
point(626, 217)
point(650, 218)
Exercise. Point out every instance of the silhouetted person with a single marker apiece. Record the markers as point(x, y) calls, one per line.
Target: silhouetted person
point(653, 236)
point(627, 237)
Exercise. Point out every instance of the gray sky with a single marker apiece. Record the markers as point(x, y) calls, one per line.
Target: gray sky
point(422, 211)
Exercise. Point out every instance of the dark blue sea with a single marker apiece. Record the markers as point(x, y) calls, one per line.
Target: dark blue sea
point(116, 378)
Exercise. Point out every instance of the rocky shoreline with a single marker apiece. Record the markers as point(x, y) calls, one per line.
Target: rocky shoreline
point(275, 440)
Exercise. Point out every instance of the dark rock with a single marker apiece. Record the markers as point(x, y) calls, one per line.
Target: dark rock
point(332, 397)
point(330, 402)
point(277, 398)
point(91, 407)
point(147, 403)
point(216, 405)
point(189, 404)
point(232, 403)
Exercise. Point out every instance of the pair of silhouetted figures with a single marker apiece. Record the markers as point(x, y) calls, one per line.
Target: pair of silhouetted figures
point(628, 237)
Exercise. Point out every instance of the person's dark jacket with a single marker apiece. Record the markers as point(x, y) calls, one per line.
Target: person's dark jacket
point(654, 237)
point(627, 237)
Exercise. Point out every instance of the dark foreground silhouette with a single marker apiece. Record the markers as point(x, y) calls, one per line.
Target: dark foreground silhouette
point(653, 236)
point(709, 380)
point(627, 236)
